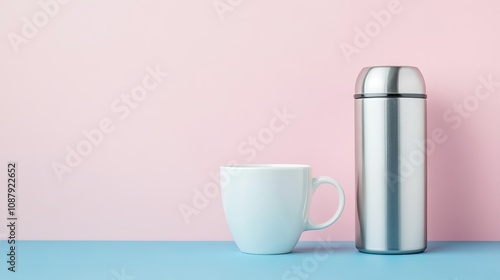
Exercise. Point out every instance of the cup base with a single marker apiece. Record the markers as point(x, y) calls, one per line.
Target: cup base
point(266, 253)
point(265, 250)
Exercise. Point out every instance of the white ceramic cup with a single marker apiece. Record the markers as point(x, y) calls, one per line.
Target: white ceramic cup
point(267, 205)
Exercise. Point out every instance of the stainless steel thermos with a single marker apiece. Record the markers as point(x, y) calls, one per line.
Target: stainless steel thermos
point(390, 133)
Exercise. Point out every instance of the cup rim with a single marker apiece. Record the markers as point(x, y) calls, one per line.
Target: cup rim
point(267, 166)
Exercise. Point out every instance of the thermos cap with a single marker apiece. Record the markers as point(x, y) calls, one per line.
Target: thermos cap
point(390, 81)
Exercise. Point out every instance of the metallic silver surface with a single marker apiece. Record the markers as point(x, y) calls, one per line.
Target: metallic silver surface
point(390, 174)
point(387, 80)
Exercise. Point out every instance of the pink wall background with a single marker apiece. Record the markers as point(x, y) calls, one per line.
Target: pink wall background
point(228, 71)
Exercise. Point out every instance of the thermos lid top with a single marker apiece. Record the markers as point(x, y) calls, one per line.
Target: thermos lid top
point(390, 81)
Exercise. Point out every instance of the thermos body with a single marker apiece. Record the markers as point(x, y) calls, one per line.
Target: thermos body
point(390, 133)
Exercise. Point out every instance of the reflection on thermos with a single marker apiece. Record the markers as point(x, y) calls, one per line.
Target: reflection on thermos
point(390, 129)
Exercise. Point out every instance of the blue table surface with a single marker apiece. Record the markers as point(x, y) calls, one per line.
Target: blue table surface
point(127, 260)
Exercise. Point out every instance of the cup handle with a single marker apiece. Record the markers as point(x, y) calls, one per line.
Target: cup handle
point(315, 184)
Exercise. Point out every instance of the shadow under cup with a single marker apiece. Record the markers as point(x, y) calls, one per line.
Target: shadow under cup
point(266, 206)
